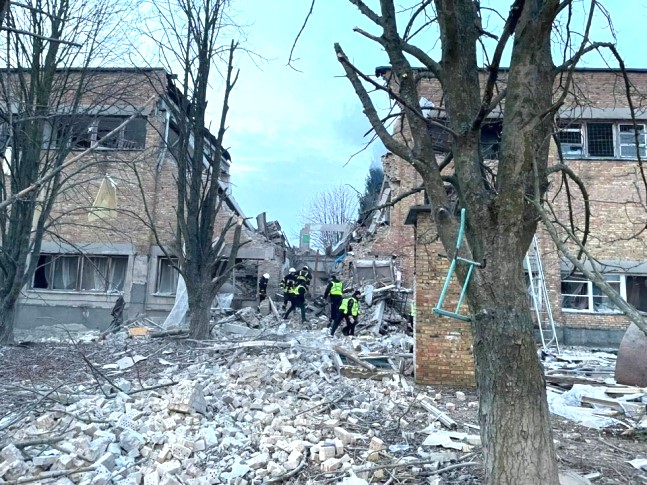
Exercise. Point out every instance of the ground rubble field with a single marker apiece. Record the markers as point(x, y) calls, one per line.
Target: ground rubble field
point(275, 407)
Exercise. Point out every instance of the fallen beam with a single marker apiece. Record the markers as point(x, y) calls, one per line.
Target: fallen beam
point(444, 419)
point(352, 356)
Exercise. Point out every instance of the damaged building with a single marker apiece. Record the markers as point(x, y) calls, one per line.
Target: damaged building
point(112, 218)
point(597, 141)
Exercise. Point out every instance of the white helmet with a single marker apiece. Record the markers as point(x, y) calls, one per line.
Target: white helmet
point(266, 276)
point(292, 270)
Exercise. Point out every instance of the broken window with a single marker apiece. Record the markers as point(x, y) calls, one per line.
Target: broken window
point(491, 139)
point(636, 287)
point(602, 140)
point(79, 132)
point(80, 273)
point(570, 141)
point(581, 294)
point(167, 276)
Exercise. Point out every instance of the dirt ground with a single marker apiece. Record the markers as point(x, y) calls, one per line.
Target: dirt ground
point(27, 369)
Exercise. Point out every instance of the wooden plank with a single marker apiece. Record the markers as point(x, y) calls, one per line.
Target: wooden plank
point(570, 380)
point(624, 407)
point(275, 311)
point(352, 356)
point(444, 419)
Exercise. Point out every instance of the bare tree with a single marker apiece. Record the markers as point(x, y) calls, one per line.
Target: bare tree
point(337, 205)
point(189, 34)
point(47, 51)
point(500, 199)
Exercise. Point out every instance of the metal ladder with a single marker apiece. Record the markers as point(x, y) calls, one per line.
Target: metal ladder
point(539, 297)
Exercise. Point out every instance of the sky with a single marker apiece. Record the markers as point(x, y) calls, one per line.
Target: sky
point(293, 134)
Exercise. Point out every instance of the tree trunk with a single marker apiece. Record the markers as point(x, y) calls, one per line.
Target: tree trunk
point(199, 311)
point(514, 417)
point(7, 318)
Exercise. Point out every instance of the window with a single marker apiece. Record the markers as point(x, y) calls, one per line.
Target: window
point(602, 140)
point(80, 273)
point(570, 141)
point(167, 277)
point(627, 140)
point(79, 132)
point(580, 294)
point(636, 288)
point(491, 139)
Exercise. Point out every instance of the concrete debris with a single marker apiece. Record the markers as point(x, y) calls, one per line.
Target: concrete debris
point(581, 388)
point(246, 410)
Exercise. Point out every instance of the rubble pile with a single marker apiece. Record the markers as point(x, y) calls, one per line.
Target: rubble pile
point(246, 411)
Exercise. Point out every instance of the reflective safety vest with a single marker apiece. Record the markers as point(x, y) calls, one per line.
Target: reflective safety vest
point(337, 288)
point(412, 312)
point(295, 289)
point(344, 306)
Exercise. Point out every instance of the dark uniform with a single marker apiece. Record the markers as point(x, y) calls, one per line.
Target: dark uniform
point(349, 311)
point(304, 277)
point(297, 300)
point(334, 290)
point(262, 288)
point(287, 283)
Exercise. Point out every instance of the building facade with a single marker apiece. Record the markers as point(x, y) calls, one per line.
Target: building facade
point(597, 138)
point(112, 229)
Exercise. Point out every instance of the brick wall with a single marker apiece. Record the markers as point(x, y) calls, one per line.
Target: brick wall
point(146, 195)
point(443, 353)
point(443, 346)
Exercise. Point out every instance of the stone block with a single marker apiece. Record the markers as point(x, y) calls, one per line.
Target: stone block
point(187, 398)
point(180, 452)
point(376, 444)
point(106, 460)
point(258, 461)
point(326, 452)
point(168, 468)
point(460, 396)
point(11, 454)
point(450, 406)
point(330, 465)
point(131, 440)
point(44, 461)
point(346, 437)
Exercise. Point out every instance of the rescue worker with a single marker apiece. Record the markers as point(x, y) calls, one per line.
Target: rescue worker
point(304, 276)
point(297, 300)
point(262, 289)
point(288, 281)
point(349, 311)
point(412, 312)
point(335, 291)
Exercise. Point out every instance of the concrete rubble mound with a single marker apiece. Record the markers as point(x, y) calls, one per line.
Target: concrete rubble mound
point(282, 405)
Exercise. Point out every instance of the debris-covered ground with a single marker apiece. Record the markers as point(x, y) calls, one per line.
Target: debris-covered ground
point(266, 402)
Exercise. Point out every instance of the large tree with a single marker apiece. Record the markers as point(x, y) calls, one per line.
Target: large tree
point(46, 54)
point(503, 202)
point(190, 37)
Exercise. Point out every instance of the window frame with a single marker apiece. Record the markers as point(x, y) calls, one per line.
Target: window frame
point(581, 127)
point(82, 259)
point(591, 296)
point(158, 275)
point(93, 128)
